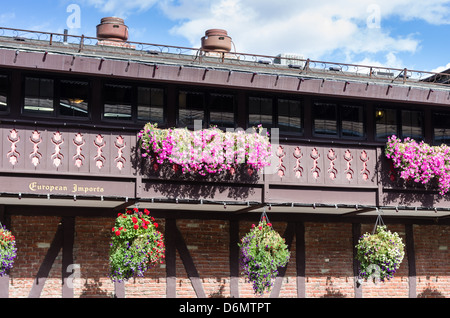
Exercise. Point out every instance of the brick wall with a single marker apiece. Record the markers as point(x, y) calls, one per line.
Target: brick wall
point(329, 257)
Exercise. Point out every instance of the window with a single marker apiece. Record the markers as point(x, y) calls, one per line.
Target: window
point(74, 98)
point(191, 107)
point(338, 120)
point(260, 111)
point(118, 101)
point(325, 119)
point(39, 93)
point(386, 123)
point(441, 123)
point(221, 110)
point(412, 124)
point(402, 123)
point(150, 106)
point(290, 116)
point(352, 121)
point(4, 92)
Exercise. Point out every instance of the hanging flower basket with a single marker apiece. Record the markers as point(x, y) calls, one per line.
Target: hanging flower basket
point(380, 254)
point(206, 151)
point(8, 250)
point(136, 245)
point(420, 162)
point(263, 252)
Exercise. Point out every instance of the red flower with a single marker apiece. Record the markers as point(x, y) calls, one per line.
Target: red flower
point(156, 224)
point(117, 233)
point(134, 220)
point(147, 212)
point(136, 226)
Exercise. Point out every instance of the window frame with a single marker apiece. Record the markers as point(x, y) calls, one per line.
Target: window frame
point(399, 121)
point(56, 97)
point(339, 118)
point(275, 112)
point(7, 109)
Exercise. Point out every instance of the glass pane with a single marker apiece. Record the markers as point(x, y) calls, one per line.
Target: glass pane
point(38, 95)
point(191, 108)
point(3, 92)
point(441, 123)
point(325, 119)
point(352, 121)
point(151, 104)
point(117, 101)
point(412, 124)
point(260, 112)
point(289, 116)
point(221, 110)
point(74, 98)
point(386, 123)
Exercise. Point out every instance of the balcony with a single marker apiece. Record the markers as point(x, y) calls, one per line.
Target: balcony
point(42, 165)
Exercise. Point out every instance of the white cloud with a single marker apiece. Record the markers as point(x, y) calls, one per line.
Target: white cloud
point(315, 29)
point(120, 8)
point(440, 69)
point(311, 28)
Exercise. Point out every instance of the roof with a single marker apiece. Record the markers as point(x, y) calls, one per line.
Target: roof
point(253, 65)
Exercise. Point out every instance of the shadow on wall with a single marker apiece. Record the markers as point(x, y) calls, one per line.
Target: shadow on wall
point(430, 293)
point(400, 192)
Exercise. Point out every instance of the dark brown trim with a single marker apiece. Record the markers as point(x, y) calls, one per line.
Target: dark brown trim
point(356, 233)
point(68, 224)
point(234, 258)
point(189, 265)
point(410, 252)
point(170, 230)
point(300, 261)
point(288, 236)
point(46, 265)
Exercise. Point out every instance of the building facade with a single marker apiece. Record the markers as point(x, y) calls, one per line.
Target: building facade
point(72, 108)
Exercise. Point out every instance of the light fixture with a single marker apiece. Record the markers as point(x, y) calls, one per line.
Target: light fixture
point(379, 114)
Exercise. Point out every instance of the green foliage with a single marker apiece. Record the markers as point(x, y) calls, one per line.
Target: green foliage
point(136, 245)
point(8, 250)
point(380, 254)
point(263, 251)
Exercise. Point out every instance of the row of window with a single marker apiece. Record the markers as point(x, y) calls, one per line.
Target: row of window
point(64, 97)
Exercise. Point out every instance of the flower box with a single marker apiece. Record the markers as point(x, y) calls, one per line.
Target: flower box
point(206, 151)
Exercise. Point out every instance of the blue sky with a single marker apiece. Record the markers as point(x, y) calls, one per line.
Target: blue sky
point(392, 33)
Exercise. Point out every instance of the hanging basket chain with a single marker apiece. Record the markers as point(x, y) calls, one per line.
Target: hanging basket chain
point(379, 221)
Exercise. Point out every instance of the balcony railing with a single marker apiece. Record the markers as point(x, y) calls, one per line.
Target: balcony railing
point(74, 44)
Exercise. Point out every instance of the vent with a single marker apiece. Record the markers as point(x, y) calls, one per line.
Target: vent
point(216, 40)
point(112, 31)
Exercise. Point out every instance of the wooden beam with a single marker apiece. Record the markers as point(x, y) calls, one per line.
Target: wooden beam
point(288, 236)
point(410, 252)
point(300, 259)
point(46, 265)
point(170, 259)
point(356, 233)
point(189, 264)
point(68, 224)
point(234, 258)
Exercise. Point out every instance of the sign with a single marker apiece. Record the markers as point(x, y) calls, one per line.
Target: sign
point(52, 186)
